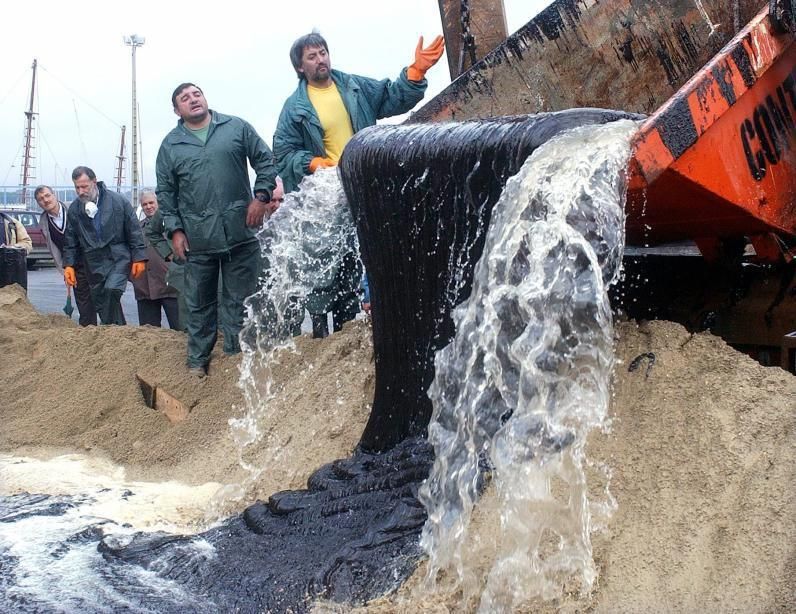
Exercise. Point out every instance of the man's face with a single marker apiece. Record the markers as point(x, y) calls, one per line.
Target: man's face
point(315, 64)
point(191, 105)
point(278, 194)
point(86, 189)
point(149, 204)
point(48, 202)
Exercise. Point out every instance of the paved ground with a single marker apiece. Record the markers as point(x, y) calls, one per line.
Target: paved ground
point(47, 293)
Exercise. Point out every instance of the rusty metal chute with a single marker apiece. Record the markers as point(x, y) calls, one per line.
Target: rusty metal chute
point(716, 158)
point(621, 54)
point(714, 164)
point(472, 29)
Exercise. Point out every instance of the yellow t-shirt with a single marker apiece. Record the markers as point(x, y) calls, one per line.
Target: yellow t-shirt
point(334, 118)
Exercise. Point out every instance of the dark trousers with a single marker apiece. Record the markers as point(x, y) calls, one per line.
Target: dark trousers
point(344, 303)
point(85, 306)
point(239, 270)
point(149, 311)
point(108, 304)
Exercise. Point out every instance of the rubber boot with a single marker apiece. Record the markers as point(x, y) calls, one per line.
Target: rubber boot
point(320, 325)
point(338, 319)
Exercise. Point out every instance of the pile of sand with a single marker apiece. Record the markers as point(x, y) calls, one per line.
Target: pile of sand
point(68, 389)
point(703, 457)
point(702, 448)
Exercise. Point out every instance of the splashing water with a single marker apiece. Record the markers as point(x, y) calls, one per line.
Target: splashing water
point(49, 560)
point(303, 246)
point(526, 376)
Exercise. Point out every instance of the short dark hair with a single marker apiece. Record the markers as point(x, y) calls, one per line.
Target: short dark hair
point(41, 189)
point(178, 91)
point(313, 39)
point(83, 170)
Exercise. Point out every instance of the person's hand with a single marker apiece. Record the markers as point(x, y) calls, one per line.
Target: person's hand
point(273, 206)
point(138, 269)
point(179, 244)
point(366, 308)
point(256, 213)
point(69, 276)
point(425, 58)
point(319, 162)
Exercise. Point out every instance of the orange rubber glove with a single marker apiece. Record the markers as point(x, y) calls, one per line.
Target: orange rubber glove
point(138, 268)
point(425, 58)
point(319, 162)
point(69, 276)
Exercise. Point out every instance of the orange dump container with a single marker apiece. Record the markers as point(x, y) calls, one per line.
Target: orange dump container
point(718, 160)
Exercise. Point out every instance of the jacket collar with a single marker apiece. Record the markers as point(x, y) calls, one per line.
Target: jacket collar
point(303, 107)
point(181, 134)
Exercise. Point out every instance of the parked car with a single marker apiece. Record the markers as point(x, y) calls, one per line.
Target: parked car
point(30, 220)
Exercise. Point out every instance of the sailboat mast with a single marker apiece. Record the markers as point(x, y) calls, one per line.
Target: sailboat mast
point(120, 163)
point(28, 168)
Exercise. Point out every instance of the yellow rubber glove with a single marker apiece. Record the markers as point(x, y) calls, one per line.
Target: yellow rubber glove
point(138, 268)
point(425, 58)
point(69, 276)
point(319, 162)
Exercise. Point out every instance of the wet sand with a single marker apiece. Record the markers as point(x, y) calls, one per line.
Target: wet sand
point(701, 451)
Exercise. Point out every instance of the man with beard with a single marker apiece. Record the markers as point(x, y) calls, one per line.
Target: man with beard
point(326, 110)
point(211, 217)
point(102, 224)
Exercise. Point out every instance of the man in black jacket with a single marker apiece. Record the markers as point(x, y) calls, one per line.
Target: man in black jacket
point(103, 225)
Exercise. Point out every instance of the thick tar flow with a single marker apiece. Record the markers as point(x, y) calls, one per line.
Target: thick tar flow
point(351, 535)
point(422, 196)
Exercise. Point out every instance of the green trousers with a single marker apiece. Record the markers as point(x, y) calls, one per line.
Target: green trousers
point(175, 277)
point(239, 269)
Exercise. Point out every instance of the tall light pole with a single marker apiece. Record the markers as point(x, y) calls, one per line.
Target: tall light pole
point(134, 41)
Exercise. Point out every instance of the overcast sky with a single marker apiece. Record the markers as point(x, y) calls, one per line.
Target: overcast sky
point(236, 51)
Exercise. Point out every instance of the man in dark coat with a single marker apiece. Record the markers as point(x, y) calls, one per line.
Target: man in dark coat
point(152, 293)
point(102, 224)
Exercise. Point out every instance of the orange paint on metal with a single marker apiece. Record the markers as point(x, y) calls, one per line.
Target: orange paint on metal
point(768, 247)
point(718, 160)
point(707, 104)
point(651, 156)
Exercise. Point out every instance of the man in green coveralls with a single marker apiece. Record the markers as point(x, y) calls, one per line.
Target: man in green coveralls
point(211, 217)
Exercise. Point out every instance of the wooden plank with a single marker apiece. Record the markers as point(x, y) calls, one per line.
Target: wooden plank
point(161, 400)
point(175, 410)
point(147, 390)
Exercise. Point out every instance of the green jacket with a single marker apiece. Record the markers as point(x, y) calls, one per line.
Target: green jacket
point(203, 189)
point(299, 137)
point(155, 235)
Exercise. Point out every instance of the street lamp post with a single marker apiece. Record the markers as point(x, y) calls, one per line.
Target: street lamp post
point(134, 41)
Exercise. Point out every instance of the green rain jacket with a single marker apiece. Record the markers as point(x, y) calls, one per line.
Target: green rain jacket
point(203, 189)
point(299, 136)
